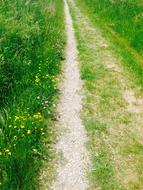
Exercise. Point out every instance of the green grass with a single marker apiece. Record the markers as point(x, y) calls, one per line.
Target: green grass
point(118, 23)
point(114, 133)
point(124, 17)
point(32, 42)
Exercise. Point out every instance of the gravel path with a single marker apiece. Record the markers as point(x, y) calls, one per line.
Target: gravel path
point(71, 173)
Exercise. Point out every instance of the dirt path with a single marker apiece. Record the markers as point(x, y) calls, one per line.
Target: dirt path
point(71, 173)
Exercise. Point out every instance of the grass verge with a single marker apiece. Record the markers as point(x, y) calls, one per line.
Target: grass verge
point(115, 138)
point(123, 17)
point(32, 42)
point(110, 20)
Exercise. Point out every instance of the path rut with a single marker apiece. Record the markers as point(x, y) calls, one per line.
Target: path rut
point(71, 172)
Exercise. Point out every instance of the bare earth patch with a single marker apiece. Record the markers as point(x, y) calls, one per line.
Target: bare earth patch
point(134, 104)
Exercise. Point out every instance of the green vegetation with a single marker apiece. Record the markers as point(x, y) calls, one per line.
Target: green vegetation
point(109, 67)
point(124, 17)
point(32, 40)
point(121, 22)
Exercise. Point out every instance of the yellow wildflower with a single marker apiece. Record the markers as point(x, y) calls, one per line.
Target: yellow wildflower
point(22, 126)
point(37, 80)
point(9, 153)
point(29, 132)
point(16, 117)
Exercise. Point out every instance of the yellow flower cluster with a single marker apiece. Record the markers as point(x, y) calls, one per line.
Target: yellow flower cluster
point(5, 152)
point(37, 80)
point(8, 151)
point(15, 126)
point(19, 118)
point(22, 126)
point(37, 116)
point(27, 117)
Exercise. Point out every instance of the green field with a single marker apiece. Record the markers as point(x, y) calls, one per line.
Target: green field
point(32, 40)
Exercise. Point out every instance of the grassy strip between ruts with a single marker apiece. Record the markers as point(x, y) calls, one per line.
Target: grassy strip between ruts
point(32, 42)
point(114, 137)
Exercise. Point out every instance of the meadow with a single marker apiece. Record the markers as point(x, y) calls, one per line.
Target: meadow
point(32, 42)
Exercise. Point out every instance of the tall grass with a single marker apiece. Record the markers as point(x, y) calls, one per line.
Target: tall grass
point(32, 41)
point(124, 17)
